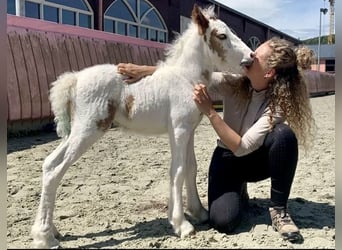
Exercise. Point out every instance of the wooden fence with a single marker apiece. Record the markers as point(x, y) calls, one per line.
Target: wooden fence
point(39, 51)
point(320, 83)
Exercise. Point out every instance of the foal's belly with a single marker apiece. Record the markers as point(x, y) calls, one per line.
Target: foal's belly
point(152, 121)
point(148, 107)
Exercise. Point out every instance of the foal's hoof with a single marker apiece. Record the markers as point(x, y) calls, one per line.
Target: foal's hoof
point(40, 244)
point(44, 240)
point(185, 229)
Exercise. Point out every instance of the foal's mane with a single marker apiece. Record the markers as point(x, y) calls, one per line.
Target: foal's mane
point(177, 46)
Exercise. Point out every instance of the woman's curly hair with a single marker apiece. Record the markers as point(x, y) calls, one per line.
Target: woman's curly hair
point(287, 92)
point(305, 57)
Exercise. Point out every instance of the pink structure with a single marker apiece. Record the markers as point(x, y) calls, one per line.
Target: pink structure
point(39, 51)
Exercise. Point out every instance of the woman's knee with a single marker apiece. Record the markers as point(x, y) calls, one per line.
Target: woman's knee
point(283, 135)
point(225, 212)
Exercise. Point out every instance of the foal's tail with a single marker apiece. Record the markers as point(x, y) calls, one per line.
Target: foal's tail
point(61, 95)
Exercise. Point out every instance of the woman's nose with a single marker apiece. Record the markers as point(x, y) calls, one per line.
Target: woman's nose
point(252, 55)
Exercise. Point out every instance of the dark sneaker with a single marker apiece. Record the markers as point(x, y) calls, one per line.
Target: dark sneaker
point(282, 223)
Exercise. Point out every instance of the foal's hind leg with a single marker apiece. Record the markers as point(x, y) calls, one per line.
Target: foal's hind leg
point(44, 232)
point(194, 205)
point(54, 168)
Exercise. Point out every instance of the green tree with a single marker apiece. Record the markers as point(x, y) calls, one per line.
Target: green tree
point(313, 41)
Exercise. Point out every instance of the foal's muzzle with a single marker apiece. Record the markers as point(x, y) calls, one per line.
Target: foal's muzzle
point(246, 62)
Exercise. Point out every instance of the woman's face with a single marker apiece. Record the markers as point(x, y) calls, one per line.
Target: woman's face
point(259, 72)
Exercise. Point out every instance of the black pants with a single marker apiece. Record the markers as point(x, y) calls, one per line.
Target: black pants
point(276, 158)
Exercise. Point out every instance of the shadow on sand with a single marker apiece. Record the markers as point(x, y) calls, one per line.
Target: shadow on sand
point(307, 214)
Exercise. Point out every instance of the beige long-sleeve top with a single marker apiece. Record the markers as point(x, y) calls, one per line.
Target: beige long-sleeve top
point(249, 118)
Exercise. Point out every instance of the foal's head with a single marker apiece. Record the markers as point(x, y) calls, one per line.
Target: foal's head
point(224, 48)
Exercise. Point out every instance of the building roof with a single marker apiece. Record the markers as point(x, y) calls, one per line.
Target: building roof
point(326, 50)
point(254, 20)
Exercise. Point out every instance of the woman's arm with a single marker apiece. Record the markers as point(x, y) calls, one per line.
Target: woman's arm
point(135, 72)
point(250, 141)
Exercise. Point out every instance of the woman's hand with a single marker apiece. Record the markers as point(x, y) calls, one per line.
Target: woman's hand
point(134, 72)
point(131, 71)
point(203, 100)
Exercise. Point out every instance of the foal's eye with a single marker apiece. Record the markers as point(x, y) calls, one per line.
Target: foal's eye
point(222, 36)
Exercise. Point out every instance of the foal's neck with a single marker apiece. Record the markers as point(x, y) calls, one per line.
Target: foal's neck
point(190, 57)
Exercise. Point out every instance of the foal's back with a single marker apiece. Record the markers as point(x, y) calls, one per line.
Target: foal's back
point(147, 106)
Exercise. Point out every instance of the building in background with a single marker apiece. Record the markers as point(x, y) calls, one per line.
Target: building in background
point(327, 58)
point(153, 20)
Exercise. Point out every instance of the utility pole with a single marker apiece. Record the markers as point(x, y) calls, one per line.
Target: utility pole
point(331, 21)
point(324, 11)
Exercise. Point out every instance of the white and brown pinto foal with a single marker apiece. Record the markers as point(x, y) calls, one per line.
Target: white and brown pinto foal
point(85, 104)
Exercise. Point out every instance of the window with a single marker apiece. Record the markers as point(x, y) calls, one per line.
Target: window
point(330, 65)
point(136, 18)
point(133, 30)
point(51, 14)
point(122, 30)
point(109, 24)
point(85, 20)
point(68, 17)
point(153, 35)
point(75, 12)
point(72, 4)
point(11, 7)
point(152, 19)
point(32, 9)
point(143, 33)
point(253, 42)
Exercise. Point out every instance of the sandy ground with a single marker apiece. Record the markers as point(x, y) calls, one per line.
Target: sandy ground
point(115, 195)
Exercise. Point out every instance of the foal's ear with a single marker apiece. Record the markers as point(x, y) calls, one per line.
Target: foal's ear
point(198, 18)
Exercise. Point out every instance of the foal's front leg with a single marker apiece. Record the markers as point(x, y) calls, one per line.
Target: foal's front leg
point(194, 205)
point(178, 140)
